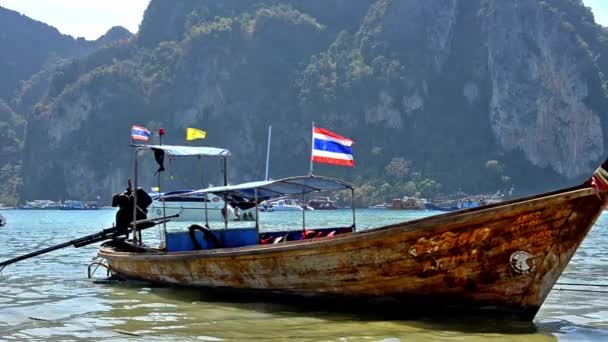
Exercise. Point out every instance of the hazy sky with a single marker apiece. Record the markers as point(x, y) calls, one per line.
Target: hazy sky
point(82, 18)
point(92, 18)
point(600, 10)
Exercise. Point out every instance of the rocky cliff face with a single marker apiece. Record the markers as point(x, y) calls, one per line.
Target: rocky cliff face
point(28, 44)
point(446, 84)
point(539, 69)
point(31, 51)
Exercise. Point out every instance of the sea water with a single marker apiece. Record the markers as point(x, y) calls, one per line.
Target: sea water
point(49, 297)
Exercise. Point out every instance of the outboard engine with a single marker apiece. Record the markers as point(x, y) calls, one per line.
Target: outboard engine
point(125, 202)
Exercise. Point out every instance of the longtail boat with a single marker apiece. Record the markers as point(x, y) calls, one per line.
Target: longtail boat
point(503, 258)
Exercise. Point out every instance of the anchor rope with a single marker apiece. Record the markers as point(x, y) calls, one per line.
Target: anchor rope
point(579, 290)
point(581, 284)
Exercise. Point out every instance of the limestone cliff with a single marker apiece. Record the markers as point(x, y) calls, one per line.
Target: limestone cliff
point(458, 88)
point(28, 44)
point(539, 69)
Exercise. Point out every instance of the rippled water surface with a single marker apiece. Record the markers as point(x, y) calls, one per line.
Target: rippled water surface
point(50, 298)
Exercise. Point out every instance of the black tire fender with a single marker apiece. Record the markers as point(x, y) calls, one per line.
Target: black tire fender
point(207, 234)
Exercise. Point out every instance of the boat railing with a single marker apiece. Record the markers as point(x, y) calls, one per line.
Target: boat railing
point(268, 191)
point(176, 151)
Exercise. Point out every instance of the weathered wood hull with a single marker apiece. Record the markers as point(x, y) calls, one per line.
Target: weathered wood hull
point(505, 256)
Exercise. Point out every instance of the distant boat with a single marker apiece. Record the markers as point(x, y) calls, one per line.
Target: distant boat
point(190, 208)
point(79, 205)
point(40, 205)
point(265, 207)
point(288, 204)
point(322, 203)
point(2, 220)
point(438, 207)
point(460, 204)
point(406, 203)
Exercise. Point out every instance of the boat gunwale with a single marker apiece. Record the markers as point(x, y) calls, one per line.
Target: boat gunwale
point(449, 218)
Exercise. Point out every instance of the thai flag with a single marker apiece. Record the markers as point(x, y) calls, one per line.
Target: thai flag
point(140, 133)
point(331, 148)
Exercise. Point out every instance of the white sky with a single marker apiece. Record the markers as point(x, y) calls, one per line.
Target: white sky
point(82, 18)
point(600, 10)
point(93, 18)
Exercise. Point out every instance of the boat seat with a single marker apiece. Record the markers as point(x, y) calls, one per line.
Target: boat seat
point(295, 235)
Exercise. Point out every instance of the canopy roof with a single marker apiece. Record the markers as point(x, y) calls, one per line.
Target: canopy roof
point(278, 188)
point(176, 150)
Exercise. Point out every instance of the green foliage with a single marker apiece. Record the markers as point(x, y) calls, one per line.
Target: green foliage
point(370, 70)
point(398, 168)
point(11, 143)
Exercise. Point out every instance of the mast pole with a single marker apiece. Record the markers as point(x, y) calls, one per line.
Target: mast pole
point(268, 152)
point(352, 193)
point(135, 232)
point(312, 145)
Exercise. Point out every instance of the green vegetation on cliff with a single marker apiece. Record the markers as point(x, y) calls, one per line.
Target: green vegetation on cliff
point(12, 129)
point(439, 95)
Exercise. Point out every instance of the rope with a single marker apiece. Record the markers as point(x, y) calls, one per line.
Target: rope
point(579, 284)
point(586, 291)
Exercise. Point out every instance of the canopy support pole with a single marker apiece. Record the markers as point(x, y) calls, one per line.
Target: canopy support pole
point(206, 199)
point(225, 198)
point(163, 234)
point(303, 213)
point(352, 204)
point(257, 216)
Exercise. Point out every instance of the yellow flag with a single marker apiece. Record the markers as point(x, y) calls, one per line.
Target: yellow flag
point(193, 133)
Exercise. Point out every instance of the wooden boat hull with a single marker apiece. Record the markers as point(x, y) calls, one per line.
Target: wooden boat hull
point(503, 257)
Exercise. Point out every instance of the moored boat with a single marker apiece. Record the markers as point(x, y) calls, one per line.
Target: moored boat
point(406, 203)
point(322, 203)
point(503, 258)
point(79, 205)
point(190, 208)
point(2, 220)
point(40, 205)
point(288, 204)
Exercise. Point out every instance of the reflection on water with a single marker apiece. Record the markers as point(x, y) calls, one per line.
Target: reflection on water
point(49, 297)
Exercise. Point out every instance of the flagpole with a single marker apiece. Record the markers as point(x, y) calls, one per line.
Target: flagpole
point(312, 145)
point(268, 152)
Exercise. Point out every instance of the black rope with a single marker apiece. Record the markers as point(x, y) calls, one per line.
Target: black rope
point(579, 284)
point(578, 290)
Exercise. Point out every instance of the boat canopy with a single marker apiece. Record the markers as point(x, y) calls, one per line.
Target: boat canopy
point(277, 188)
point(177, 150)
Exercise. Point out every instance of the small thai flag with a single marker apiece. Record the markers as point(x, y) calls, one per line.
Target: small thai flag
point(331, 148)
point(140, 133)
